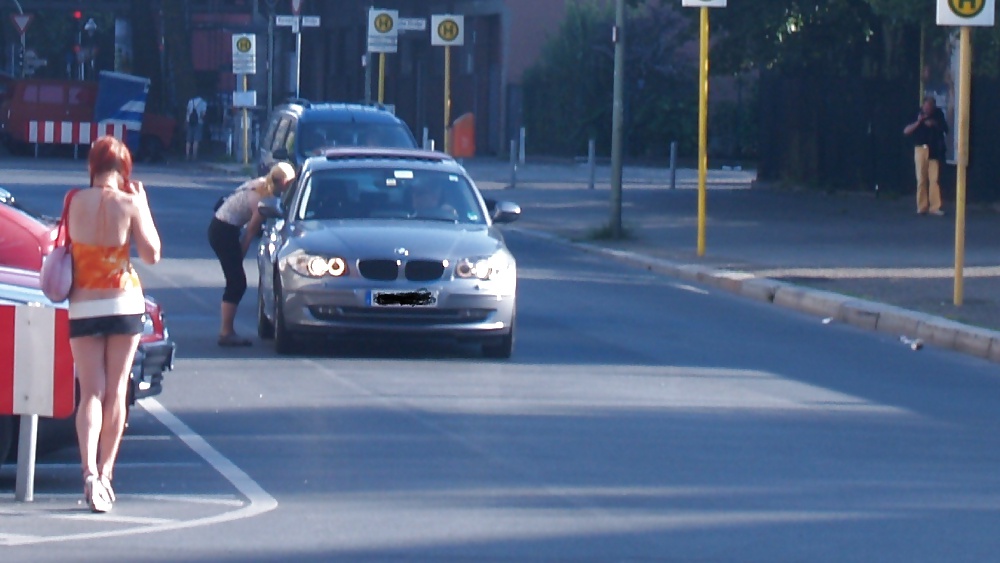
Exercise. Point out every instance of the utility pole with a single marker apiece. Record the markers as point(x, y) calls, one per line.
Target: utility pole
point(618, 36)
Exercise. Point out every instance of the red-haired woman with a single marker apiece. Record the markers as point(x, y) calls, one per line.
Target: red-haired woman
point(106, 305)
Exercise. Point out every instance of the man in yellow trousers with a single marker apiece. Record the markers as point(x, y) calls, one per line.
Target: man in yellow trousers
point(927, 134)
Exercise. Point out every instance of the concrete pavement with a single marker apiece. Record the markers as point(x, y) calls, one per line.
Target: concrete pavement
point(852, 258)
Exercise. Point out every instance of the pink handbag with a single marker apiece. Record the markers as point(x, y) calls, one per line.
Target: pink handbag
point(56, 276)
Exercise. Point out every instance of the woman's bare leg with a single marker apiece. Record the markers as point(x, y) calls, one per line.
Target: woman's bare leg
point(88, 355)
point(119, 352)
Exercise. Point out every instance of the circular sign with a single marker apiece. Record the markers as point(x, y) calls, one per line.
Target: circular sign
point(383, 23)
point(967, 8)
point(243, 44)
point(448, 30)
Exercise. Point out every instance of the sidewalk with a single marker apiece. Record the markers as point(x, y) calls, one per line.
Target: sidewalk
point(848, 258)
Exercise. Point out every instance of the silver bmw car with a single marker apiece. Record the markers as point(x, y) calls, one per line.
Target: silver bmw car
point(386, 241)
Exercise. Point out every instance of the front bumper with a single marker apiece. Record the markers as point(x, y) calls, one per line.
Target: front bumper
point(460, 309)
point(157, 358)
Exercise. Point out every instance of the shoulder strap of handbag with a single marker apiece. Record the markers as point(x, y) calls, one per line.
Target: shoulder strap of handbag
point(62, 232)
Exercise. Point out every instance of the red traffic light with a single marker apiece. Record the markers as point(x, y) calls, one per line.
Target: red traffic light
point(77, 14)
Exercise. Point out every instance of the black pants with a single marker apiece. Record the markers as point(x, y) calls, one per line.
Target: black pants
point(225, 241)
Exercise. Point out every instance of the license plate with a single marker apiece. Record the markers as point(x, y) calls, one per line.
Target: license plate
point(397, 298)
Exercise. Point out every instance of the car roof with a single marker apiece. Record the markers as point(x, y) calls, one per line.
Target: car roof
point(338, 112)
point(379, 156)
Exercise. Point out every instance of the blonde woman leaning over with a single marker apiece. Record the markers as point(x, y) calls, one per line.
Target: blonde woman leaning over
point(239, 212)
point(106, 306)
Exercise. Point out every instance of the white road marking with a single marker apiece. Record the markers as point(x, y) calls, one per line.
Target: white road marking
point(690, 288)
point(111, 517)
point(145, 438)
point(135, 465)
point(259, 501)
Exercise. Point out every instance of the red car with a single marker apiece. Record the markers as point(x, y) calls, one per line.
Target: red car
point(25, 237)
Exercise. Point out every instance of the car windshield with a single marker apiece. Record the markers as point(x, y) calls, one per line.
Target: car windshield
point(389, 193)
point(314, 136)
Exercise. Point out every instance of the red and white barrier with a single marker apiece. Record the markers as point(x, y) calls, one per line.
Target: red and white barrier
point(36, 364)
point(71, 132)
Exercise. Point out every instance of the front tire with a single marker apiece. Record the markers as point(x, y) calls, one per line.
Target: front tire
point(265, 328)
point(284, 339)
point(501, 348)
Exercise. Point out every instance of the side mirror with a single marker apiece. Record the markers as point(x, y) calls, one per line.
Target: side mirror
point(270, 208)
point(280, 154)
point(506, 212)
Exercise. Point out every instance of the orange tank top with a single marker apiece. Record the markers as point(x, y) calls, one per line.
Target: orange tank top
point(103, 267)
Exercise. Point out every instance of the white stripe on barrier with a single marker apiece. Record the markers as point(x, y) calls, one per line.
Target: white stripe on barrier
point(66, 133)
point(34, 355)
point(71, 132)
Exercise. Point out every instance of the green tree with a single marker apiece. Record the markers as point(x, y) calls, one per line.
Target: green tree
point(180, 67)
point(568, 93)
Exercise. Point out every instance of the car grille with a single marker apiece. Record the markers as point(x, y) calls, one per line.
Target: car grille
point(399, 316)
point(383, 270)
point(414, 270)
point(424, 270)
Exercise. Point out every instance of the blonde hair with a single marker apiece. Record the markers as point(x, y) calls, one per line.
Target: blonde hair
point(280, 172)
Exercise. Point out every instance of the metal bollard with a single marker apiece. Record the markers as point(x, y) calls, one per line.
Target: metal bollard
point(513, 163)
point(673, 165)
point(24, 485)
point(521, 155)
point(592, 160)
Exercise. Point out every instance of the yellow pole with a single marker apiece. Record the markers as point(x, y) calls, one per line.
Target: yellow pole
point(381, 78)
point(964, 91)
point(246, 128)
point(703, 131)
point(447, 97)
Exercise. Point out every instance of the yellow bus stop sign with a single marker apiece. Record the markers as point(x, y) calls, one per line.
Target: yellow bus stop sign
point(963, 13)
point(967, 8)
point(383, 23)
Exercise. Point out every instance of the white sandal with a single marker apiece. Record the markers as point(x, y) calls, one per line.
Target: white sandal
point(97, 495)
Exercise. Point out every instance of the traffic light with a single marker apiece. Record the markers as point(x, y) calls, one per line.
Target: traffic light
point(77, 15)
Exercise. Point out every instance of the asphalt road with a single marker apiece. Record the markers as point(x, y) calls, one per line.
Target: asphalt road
point(640, 419)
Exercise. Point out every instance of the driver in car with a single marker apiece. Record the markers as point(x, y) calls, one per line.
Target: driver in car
point(427, 200)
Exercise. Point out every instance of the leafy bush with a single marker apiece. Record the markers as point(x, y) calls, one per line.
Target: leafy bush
point(568, 94)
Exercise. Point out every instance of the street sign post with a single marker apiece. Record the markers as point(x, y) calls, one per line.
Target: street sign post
point(244, 64)
point(412, 24)
point(244, 53)
point(297, 22)
point(447, 30)
point(704, 5)
point(21, 22)
point(383, 34)
point(965, 14)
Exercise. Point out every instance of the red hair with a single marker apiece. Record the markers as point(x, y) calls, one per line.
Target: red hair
point(108, 154)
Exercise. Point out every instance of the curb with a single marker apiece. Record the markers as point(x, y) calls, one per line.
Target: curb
point(861, 313)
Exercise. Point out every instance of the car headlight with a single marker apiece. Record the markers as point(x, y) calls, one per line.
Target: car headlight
point(313, 266)
point(484, 268)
